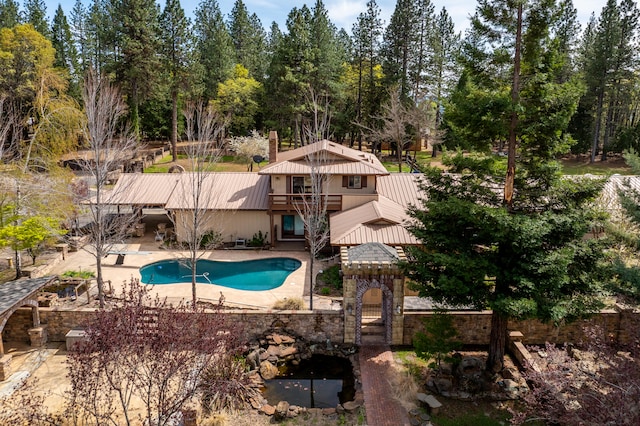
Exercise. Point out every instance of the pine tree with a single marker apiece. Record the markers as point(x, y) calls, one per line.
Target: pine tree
point(518, 250)
point(367, 34)
point(137, 39)
point(62, 41)
point(399, 44)
point(248, 39)
point(214, 46)
point(35, 12)
point(175, 49)
point(9, 13)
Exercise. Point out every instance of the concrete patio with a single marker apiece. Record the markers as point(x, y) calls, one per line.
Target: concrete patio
point(144, 250)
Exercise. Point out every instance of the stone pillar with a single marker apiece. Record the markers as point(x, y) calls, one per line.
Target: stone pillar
point(5, 367)
point(38, 336)
point(36, 316)
point(397, 326)
point(349, 309)
point(273, 146)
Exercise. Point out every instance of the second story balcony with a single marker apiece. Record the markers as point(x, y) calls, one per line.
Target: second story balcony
point(289, 202)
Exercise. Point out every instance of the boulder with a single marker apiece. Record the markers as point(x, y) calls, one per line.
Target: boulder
point(282, 410)
point(267, 370)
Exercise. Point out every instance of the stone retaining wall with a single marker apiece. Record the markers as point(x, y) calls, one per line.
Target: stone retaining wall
point(318, 326)
point(473, 327)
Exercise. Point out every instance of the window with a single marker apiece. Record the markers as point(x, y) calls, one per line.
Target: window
point(292, 226)
point(355, 182)
point(301, 184)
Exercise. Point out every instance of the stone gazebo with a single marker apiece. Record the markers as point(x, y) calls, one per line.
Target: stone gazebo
point(369, 266)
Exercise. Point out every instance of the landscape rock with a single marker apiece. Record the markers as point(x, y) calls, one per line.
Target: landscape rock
point(351, 406)
point(267, 370)
point(267, 409)
point(282, 410)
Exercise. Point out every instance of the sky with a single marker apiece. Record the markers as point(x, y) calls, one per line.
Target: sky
point(343, 13)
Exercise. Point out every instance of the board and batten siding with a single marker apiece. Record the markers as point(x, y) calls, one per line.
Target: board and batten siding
point(232, 225)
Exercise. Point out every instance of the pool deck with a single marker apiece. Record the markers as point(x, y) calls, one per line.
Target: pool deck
point(142, 251)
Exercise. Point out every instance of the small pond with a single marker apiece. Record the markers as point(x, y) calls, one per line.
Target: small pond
point(321, 381)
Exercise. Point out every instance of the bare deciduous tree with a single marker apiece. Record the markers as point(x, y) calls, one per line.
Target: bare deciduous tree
point(195, 221)
point(312, 206)
point(400, 124)
point(147, 353)
point(110, 146)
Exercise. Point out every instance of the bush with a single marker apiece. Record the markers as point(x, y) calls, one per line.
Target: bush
point(85, 275)
point(293, 304)
point(325, 291)
point(331, 276)
point(258, 240)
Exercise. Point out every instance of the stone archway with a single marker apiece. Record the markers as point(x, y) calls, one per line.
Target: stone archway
point(361, 273)
point(362, 286)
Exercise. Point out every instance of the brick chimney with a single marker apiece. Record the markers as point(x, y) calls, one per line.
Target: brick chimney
point(273, 146)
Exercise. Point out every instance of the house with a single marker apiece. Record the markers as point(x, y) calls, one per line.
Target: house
point(365, 203)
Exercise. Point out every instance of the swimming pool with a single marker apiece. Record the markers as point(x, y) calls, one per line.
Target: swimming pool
point(252, 275)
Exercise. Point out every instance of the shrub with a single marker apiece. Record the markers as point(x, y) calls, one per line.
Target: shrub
point(85, 275)
point(331, 277)
point(325, 291)
point(293, 304)
point(439, 339)
point(258, 240)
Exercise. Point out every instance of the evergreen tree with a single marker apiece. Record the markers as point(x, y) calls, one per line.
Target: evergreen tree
point(289, 73)
point(62, 41)
point(399, 43)
point(248, 39)
point(9, 13)
point(79, 29)
point(214, 46)
point(175, 48)
point(423, 51)
point(137, 40)
point(610, 61)
point(444, 67)
point(35, 12)
point(518, 250)
point(367, 34)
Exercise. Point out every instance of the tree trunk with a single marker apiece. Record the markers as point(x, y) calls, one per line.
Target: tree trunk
point(596, 131)
point(99, 281)
point(513, 125)
point(174, 125)
point(18, 264)
point(497, 342)
point(311, 283)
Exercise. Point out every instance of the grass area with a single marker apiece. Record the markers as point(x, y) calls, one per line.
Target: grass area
point(581, 166)
point(227, 163)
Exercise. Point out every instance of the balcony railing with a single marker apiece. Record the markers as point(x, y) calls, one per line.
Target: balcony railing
point(288, 202)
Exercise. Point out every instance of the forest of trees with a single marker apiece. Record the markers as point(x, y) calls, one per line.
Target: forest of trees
point(160, 58)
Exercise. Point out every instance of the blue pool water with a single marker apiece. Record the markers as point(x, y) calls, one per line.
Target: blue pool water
point(253, 275)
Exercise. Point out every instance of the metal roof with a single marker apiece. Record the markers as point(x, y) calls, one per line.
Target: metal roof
point(222, 191)
point(401, 188)
point(143, 188)
point(376, 221)
point(338, 159)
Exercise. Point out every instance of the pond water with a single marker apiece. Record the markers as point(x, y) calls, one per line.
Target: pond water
point(321, 381)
